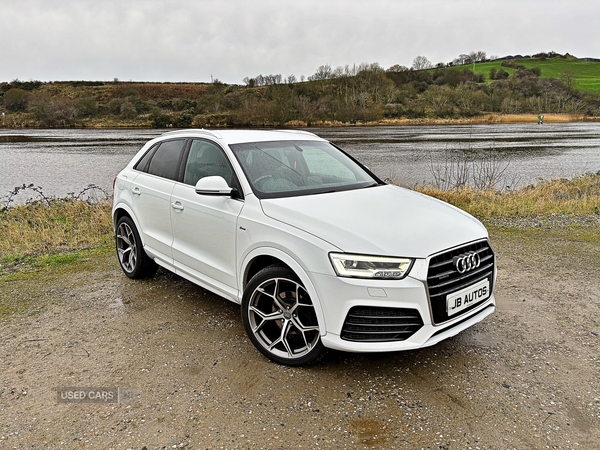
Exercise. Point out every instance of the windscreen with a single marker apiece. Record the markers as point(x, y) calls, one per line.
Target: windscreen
point(291, 168)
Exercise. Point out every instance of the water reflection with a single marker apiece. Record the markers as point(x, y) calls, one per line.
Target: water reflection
point(63, 161)
point(406, 154)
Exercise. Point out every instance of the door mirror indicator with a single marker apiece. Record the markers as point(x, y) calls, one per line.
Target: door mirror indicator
point(214, 185)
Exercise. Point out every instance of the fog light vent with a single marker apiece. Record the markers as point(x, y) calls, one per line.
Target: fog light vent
point(377, 324)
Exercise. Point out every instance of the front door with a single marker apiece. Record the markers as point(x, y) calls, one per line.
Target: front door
point(204, 226)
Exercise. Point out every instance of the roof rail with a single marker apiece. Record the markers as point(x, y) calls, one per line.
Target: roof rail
point(194, 130)
point(298, 132)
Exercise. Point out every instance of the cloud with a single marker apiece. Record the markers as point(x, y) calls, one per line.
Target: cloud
point(186, 40)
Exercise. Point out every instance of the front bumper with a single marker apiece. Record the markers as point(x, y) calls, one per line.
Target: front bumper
point(340, 295)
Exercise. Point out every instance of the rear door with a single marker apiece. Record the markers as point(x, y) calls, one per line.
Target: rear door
point(151, 191)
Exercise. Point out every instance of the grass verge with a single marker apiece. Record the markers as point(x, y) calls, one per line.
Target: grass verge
point(579, 196)
point(39, 234)
point(555, 217)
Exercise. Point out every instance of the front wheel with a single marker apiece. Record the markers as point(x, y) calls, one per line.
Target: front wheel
point(280, 318)
point(132, 257)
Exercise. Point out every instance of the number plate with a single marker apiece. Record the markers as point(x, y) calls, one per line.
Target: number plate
point(459, 300)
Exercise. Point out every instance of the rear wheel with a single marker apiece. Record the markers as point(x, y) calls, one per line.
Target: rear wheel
point(280, 318)
point(132, 257)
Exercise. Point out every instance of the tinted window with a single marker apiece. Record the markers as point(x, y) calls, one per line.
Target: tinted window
point(165, 161)
point(142, 164)
point(206, 159)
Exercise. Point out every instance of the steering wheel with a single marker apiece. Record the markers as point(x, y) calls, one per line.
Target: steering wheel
point(262, 177)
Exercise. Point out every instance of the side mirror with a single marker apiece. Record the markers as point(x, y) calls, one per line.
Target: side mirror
point(214, 185)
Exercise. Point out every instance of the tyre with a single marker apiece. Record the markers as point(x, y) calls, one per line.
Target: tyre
point(132, 257)
point(280, 318)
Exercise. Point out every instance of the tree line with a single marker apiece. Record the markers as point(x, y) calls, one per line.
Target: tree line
point(350, 94)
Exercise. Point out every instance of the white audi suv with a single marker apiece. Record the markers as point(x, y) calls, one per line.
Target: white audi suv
point(318, 251)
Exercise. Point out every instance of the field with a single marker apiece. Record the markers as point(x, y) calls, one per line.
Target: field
point(587, 74)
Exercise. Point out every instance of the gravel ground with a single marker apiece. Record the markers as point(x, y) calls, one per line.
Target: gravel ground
point(527, 377)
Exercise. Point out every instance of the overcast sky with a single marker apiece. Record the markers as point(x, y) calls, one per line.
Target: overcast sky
point(192, 40)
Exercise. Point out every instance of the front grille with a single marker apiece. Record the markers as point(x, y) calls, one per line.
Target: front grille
point(377, 324)
point(444, 279)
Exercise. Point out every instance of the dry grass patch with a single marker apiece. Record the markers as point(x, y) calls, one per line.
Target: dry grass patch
point(577, 196)
point(63, 225)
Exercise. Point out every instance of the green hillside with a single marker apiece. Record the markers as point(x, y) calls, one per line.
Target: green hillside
point(368, 94)
point(586, 73)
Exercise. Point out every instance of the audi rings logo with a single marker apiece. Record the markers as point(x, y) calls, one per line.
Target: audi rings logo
point(466, 262)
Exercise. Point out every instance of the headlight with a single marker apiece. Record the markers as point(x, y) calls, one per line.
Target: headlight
point(374, 267)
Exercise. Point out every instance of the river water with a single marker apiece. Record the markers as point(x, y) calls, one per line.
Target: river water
point(64, 161)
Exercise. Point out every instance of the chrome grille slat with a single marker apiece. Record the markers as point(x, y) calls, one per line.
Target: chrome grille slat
point(468, 276)
point(454, 289)
point(441, 280)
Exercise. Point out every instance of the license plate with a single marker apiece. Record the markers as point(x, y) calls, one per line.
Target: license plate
point(460, 300)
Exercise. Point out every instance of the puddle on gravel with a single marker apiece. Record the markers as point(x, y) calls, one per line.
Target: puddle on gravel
point(370, 432)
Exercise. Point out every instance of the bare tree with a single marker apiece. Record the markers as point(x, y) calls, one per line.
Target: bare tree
point(323, 73)
point(421, 63)
point(480, 55)
point(472, 58)
point(338, 72)
point(462, 59)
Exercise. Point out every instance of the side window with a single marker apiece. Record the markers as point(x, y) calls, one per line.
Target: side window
point(165, 161)
point(206, 159)
point(142, 164)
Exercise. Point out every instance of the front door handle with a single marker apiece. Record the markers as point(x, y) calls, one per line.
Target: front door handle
point(177, 206)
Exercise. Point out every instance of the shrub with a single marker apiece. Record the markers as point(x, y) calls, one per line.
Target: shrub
point(185, 119)
point(114, 106)
point(86, 106)
point(160, 120)
point(54, 111)
point(16, 99)
point(166, 104)
point(180, 104)
point(127, 110)
point(501, 74)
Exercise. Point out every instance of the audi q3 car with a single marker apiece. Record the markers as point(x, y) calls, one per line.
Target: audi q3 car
point(317, 250)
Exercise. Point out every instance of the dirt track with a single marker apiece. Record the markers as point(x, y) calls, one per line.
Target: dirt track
point(527, 377)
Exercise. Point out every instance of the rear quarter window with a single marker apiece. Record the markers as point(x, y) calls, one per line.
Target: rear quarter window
point(163, 160)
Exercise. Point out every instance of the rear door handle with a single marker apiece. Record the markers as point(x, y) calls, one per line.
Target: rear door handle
point(136, 191)
point(177, 206)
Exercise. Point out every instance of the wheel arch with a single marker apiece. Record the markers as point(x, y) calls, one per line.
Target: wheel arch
point(263, 257)
point(122, 210)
